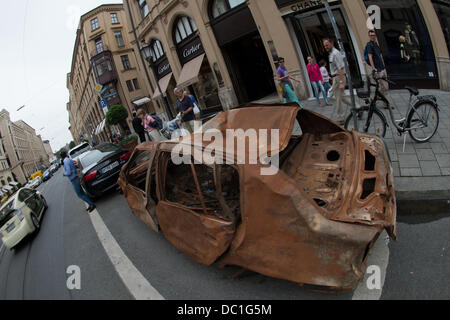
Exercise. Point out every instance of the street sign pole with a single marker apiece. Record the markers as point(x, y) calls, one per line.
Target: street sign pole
point(347, 68)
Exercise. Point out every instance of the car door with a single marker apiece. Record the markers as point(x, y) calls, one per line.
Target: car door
point(32, 201)
point(137, 179)
point(190, 212)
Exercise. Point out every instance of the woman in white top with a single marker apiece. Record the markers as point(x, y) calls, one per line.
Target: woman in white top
point(326, 78)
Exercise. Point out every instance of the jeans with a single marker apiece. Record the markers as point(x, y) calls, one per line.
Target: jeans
point(327, 87)
point(316, 86)
point(80, 193)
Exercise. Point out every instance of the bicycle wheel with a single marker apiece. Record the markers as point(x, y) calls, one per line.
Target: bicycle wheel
point(423, 121)
point(377, 123)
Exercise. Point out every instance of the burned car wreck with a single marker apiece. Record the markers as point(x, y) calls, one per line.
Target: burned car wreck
point(313, 222)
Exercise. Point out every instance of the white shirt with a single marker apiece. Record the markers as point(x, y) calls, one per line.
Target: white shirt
point(325, 75)
point(336, 62)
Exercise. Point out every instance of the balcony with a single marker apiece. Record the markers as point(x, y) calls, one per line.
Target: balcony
point(104, 68)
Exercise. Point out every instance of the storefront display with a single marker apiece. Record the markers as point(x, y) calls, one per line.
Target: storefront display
point(405, 42)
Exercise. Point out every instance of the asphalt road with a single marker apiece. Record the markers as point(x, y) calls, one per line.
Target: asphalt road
point(417, 267)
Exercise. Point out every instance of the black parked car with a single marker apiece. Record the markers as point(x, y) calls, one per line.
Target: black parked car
point(100, 168)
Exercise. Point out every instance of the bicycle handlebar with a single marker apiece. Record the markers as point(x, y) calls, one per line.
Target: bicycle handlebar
point(385, 79)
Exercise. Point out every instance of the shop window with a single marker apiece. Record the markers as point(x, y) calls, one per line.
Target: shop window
point(184, 27)
point(443, 12)
point(404, 40)
point(219, 7)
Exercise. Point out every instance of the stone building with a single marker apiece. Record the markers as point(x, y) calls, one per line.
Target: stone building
point(104, 72)
point(226, 51)
point(22, 151)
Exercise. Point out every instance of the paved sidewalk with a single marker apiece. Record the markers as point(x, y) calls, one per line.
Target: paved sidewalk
point(422, 171)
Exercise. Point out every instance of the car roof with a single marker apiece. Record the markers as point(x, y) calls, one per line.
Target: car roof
point(80, 146)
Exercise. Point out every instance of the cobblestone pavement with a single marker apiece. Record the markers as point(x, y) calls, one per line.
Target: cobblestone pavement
point(431, 159)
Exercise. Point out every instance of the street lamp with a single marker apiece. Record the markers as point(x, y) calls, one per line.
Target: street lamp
point(146, 51)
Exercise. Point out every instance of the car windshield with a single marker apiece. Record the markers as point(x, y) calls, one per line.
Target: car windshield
point(97, 154)
point(78, 151)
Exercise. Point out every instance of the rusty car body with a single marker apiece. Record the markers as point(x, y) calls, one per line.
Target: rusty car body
point(314, 222)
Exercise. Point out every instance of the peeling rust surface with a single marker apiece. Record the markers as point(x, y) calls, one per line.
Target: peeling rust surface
point(314, 222)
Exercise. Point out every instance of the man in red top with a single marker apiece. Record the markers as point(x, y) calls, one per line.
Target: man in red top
point(315, 76)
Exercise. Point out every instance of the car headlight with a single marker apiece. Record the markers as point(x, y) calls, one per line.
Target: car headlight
point(19, 214)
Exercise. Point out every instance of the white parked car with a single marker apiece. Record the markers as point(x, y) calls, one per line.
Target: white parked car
point(33, 184)
point(21, 215)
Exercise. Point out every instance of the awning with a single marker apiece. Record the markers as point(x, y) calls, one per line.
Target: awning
point(163, 83)
point(189, 74)
point(8, 188)
point(14, 183)
point(100, 127)
point(142, 101)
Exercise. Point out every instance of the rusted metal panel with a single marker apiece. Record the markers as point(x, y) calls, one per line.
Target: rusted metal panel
point(203, 238)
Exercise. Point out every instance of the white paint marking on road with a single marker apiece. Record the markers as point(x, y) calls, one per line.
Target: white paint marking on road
point(379, 257)
point(136, 283)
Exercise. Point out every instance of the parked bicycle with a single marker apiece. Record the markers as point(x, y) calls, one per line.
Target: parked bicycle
point(421, 121)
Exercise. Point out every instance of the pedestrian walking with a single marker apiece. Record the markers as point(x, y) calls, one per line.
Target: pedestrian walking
point(138, 127)
point(186, 107)
point(316, 79)
point(374, 58)
point(326, 78)
point(70, 171)
point(151, 125)
point(337, 69)
point(285, 82)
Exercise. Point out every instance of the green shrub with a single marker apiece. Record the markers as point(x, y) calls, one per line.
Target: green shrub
point(116, 114)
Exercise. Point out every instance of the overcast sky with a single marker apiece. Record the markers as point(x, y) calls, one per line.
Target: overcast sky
point(37, 38)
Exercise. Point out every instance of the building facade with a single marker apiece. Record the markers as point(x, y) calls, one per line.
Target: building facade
point(104, 72)
point(49, 151)
point(226, 51)
point(22, 151)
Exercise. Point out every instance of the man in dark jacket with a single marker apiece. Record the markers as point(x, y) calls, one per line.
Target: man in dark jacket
point(138, 127)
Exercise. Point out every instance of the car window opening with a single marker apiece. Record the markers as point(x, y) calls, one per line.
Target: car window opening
point(194, 187)
point(370, 161)
point(368, 188)
point(137, 175)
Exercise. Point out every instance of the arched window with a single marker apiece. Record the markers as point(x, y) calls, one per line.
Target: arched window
point(157, 50)
point(184, 27)
point(219, 7)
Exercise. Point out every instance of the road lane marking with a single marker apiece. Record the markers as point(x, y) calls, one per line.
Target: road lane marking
point(135, 282)
point(379, 257)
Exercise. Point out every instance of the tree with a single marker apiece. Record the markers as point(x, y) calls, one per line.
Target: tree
point(72, 145)
point(117, 115)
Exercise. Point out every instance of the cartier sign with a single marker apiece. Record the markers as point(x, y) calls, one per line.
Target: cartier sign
point(163, 67)
point(298, 6)
point(190, 50)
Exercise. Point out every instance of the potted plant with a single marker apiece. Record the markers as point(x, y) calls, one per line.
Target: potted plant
point(129, 143)
point(117, 115)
